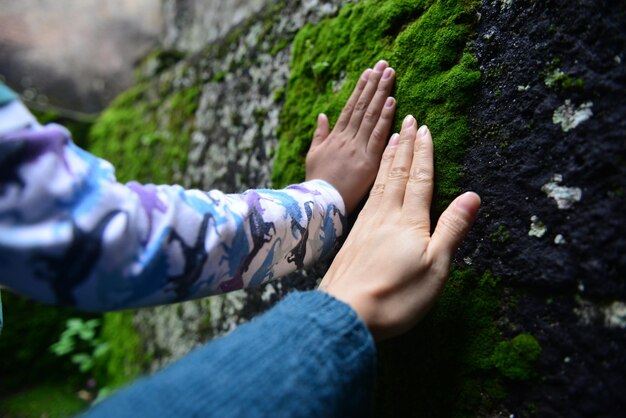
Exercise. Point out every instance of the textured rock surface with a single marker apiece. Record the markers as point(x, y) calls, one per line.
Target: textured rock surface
point(190, 24)
point(232, 148)
point(569, 284)
point(533, 321)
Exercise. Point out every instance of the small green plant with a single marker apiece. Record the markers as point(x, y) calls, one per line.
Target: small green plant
point(80, 339)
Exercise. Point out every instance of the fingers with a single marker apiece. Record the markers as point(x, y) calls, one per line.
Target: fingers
point(344, 118)
point(399, 172)
point(372, 99)
point(376, 144)
point(419, 187)
point(453, 226)
point(375, 109)
point(322, 130)
point(385, 165)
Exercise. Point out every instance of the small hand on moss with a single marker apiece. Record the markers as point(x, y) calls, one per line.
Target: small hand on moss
point(348, 156)
point(391, 269)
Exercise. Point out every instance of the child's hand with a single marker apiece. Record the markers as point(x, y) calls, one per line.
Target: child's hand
point(349, 156)
point(391, 270)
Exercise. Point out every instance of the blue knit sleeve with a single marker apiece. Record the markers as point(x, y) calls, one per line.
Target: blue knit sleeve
point(310, 356)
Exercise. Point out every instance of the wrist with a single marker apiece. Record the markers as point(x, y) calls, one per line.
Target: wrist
point(356, 301)
point(328, 191)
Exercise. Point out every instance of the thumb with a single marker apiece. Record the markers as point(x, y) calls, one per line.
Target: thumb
point(453, 225)
point(322, 130)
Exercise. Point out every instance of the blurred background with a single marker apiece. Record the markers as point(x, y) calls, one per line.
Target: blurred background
point(75, 55)
point(79, 55)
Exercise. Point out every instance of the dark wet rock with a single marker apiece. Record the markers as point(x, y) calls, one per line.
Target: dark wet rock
point(518, 148)
point(569, 281)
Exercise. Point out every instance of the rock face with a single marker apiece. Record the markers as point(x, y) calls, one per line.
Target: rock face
point(548, 142)
point(525, 103)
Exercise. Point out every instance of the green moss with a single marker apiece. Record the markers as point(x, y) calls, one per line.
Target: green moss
point(146, 135)
point(279, 46)
point(423, 40)
point(156, 62)
point(260, 114)
point(444, 366)
point(556, 79)
point(125, 360)
point(279, 94)
point(501, 234)
point(515, 359)
point(52, 400)
point(570, 83)
point(219, 76)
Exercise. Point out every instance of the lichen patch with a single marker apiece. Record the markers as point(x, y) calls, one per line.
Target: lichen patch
point(553, 76)
point(612, 315)
point(570, 117)
point(615, 315)
point(537, 228)
point(564, 196)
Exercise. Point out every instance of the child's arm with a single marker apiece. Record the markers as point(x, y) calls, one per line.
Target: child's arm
point(70, 234)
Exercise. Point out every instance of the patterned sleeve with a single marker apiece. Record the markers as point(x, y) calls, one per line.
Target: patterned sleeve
point(70, 234)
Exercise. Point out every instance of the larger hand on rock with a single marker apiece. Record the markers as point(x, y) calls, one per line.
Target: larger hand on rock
point(391, 269)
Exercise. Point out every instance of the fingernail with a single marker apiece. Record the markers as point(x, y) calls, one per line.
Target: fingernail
point(320, 117)
point(468, 202)
point(408, 121)
point(395, 138)
point(366, 74)
point(390, 101)
point(381, 65)
point(387, 73)
point(423, 130)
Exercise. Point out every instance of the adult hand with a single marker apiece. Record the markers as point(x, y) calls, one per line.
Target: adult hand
point(391, 269)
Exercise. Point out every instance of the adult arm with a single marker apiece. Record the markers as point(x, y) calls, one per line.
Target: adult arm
point(310, 356)
point(391, 268)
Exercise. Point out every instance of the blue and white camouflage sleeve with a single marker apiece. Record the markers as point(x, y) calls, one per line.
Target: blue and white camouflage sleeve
point(70, 234)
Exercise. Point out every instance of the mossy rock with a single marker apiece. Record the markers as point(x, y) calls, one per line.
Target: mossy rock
point(443, 367)
point(423, 40)
point(146, 132)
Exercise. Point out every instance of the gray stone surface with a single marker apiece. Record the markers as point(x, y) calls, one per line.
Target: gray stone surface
point(190, 24)
point(232, 149)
